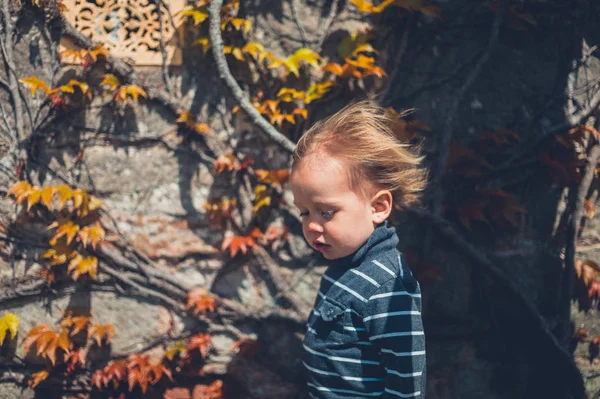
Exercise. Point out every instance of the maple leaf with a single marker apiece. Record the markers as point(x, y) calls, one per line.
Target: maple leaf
point(189, 120)
point(111, 81)
point(115, 371)
point(204, 42)
point(238, 24)
point(100, 332)
point(47, 195)
point(83, 265)
point(199, 14)
point(37, 378)
point(129, 91)
point(75, 358)
point(589, 209)
point(246, 347)
point(240, 243)
point(275, 177)
point(219, 210)
point(22, 191)
point(316, 91)
point(201, 342)
point(76, 323)
point(34, 83)
point(367, 7)
point(351, 43)
point(256, 51)
point(179, 349)
point(262, 197)
point(235, 51)
point(59, 254)
point(212, 391)
point(47, 341)
point(293, 62)
point(9, 323)
point(92, 234)
point(201, 301)
point(289, 94)
point(68, 229)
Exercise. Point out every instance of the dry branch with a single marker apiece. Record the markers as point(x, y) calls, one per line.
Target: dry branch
point(237, 93)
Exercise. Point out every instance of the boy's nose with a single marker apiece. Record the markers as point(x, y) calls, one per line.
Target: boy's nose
point(314, 226)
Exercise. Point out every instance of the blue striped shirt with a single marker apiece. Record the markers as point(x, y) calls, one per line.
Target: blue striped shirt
point(365, 336)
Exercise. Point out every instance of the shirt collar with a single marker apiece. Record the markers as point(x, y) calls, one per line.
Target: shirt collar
point(382, 239)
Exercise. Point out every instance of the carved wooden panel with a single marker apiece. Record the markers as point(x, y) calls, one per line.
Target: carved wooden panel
point(128, 28)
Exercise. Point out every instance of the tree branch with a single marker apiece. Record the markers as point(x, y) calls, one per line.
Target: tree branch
point(237, 93)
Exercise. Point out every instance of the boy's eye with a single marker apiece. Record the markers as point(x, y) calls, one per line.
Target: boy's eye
point(327, 214)
point(305, 213)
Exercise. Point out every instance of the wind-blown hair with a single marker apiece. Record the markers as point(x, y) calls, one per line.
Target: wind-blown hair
point(360, 135)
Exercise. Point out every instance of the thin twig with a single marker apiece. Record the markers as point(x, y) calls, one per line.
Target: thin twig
point(163, 49)
point(225, 74)
point(324, 28)
point(298, 23)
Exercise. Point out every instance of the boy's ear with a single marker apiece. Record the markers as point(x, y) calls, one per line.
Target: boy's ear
point(381, 206)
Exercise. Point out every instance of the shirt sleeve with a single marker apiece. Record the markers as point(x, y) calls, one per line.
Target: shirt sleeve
point(393, 322)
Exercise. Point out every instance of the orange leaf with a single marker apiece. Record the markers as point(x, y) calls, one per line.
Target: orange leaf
point(47, 341)
point(202, 342)
point(101, 331)
point(238, 243)
point(67, 229)
point(81, 265)
point(35, 83)
point(93, 233)
point(212, 391)
point(37, 378)
point(201, 301)
point(276, 177)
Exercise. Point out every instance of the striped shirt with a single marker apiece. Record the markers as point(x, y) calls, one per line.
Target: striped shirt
point(365, 336)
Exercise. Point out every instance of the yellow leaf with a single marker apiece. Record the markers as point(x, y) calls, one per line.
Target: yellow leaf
point(48, 195)
point(35, 83)
point(67, 229)
point(289, 94)
point(33, 197)
point(199, 14)
point(111, 81)
point(365, 6)
point(262, 197)
point(292, 63)
point(237, 53)
point(204, 42)
point(80, 265)
point(132, 90)
point(59, 254)
point(78, 197)
point(317, 91)
point(64, 194)
point(93, 233)
point(256, 50)
point(10, 323)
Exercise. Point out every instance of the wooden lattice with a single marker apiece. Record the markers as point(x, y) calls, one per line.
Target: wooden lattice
point(128, 28)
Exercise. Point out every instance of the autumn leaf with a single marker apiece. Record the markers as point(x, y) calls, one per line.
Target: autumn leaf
point(316, 91)
point(241, 243)
point(239, 24)
point(293, 62)
point(351, 43)
point(111, 82)
point(275, 177)
point(34, 83)
point(201, 342)
point(91, 234)
point(367, 7)
point(262, 197)
point(219, 210)
point(75, 323)
point(201, 301)
point(212, 391)
point(67, 229)
point(37, 378)
point(179, 349)
point(83, 265)
point(589, 209)
point(48, 195)
point(8, 323)
point(22, 190)
point(114, 372)
point(100, 332)
point(235, 51)
point(189, 120)
point(47, 341)
point(59, 254)
point(199, 14)
point(129, 91)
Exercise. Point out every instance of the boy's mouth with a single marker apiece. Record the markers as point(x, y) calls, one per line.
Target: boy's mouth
point(320, 246)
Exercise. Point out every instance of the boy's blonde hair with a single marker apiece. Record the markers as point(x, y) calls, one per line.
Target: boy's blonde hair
point(361, 136)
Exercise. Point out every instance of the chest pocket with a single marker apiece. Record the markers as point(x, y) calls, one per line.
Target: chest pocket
point(329, 323)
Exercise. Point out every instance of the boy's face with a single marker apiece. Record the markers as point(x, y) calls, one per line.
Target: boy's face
point(335, 220)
